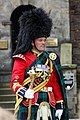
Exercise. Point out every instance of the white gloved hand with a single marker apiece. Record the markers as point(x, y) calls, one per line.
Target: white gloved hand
point(29, 94)
point(59, 113)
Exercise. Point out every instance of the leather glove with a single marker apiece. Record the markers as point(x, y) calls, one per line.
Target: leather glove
point(29, 94)
point(59, 113)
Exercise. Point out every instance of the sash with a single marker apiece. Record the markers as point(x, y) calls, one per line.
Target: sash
point(42, 59)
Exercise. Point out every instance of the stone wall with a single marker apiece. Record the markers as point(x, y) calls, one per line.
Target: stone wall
point(75, 38)
point(75, 29)
point(59, 11)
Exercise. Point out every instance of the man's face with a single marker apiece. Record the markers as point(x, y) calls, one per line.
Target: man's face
point(39, 44)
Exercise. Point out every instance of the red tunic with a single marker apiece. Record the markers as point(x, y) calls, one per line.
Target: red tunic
point(21, 63)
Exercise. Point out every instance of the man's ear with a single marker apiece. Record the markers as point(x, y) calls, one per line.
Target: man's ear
point(32, 43)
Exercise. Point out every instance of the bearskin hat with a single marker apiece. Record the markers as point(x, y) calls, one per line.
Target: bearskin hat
point(33, 24)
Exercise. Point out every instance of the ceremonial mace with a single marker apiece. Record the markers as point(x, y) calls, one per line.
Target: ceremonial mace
point(32, 77)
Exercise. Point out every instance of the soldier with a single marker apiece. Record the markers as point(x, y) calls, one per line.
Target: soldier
point(32, 63)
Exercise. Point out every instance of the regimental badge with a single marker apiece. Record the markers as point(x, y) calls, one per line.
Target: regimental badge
point(52, 56)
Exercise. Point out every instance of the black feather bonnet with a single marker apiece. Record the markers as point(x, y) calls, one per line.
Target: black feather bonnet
point(33, 24)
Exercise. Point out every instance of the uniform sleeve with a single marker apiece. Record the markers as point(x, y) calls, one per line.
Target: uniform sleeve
point(54, 81)
point(18, 73)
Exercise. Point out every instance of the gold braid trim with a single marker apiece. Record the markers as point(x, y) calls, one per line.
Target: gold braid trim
point(51, 66)
point(60, 101)
point(47, 61)
point(26, 81)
